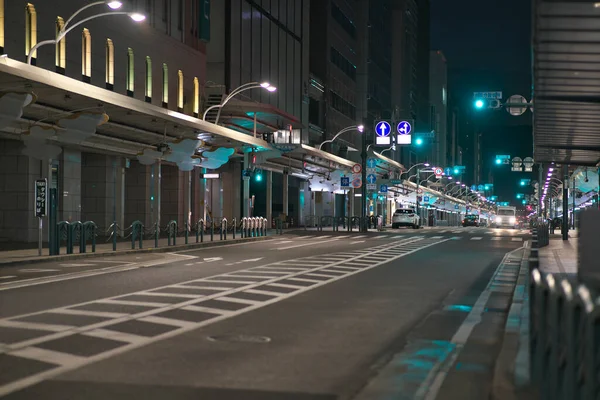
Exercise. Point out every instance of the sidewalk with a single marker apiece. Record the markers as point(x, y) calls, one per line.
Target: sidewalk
point(30, 256)
point(559, 258)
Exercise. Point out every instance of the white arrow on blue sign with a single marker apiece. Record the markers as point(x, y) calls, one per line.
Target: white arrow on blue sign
point(371, 163)
point(404, 128)
point(371, 178)
point(383, 129)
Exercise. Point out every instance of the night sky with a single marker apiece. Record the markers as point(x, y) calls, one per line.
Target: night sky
point(487, 47)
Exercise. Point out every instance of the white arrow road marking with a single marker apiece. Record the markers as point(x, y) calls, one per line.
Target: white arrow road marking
point(211, 259)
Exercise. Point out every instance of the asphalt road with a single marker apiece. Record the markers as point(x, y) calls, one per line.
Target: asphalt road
point(302, 316)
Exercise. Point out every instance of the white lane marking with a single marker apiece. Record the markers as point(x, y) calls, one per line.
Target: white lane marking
point(476, 238)
point(437, 237)
point(229, 281)
point(209, 310)
point(265, 292)
point(187, 265)
point(113, 262)
point(360, 237)
point(115, 335)
point(348, 268)
point(48, 356)
point(132, 303)
point(496, 238)
point(268, 272)
point(246, 261)
point(8, 277)
point(190, 286)
point(431, 386)
point(76, 265)
point(33, 379)
point(181, 255)
point(30, 270)
point(320, 275)
point(303, 280)
point(34, 326)
point(167, 321)
point(284, 268)
point(284, 242)
point(236, 300)
point(163, 294)
point(517, 239)
point(284, 285)
point(357, 242)
point(239, 275)
point(70, 311)
point(305, 237)
point(211, 259)
point(305, 244)
point(456, 238)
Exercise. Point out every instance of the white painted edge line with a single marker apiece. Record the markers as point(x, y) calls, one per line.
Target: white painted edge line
point(8, 277)
point(237, 300)
point(126, 303)
point(249, 243)
point(228, 281)
point(190, 286)
point(235, 275)
point(321, 275)
point(86, 313)
point(305, 244)
point(209, 310)
point(163, 294)
point(357, 242)
point(33, 379)
point(496, 238)
point(304, 280)
point(258, 274)
point(48, 356)
point(344, 267)
point(476, 238)
point(265, 292)
point(35, 326)
point(285, 285)
point(167, 321)
point(431, 386)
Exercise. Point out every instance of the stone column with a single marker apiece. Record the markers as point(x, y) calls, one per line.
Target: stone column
point(286, 189)
point(70, 187)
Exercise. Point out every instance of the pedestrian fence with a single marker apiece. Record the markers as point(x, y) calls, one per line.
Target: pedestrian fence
point(87, 233)
point(540, 237)
point(564, 338)
point(346, 223)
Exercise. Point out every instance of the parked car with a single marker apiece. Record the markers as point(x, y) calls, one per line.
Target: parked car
point(405, 217)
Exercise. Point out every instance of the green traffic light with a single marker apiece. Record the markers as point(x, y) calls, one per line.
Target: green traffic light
point(258, 177)
point(522, 183)
point(418, 141)
point(498, 161)
point(479, 104)
point(456, 171)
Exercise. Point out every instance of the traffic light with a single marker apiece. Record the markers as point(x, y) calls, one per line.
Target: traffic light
point(522, 183)
point(258, 175)
point(481, 104)
point(419, 141)
point(456, 171)
point(498, 161)
point(486, 187)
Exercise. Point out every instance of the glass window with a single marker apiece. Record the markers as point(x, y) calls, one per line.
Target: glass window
point(30, 29)
point(148, 88)
point(256, 48)
point(180, 90)
point(282, 77)
point(110, 62)
point(343, 106)
point(246, 41)
point(61, 47)
point(130, 71)
point(86, 53)
point(165, 85)
point(506, 212)
point(274, 69)
point(291, 78)
point(196, 109)
point(266, 58)
point(343, 64)
point(345, 22)
point(404, 211)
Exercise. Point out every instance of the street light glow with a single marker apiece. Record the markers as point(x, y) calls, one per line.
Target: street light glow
point(137, 17)
point(479, 104)
point(265, 84)
point(426, 164)
point(498, 161)
point(114, 5)
point(361, 128)
point(271, 89)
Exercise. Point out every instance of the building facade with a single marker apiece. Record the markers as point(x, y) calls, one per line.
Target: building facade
point(438, 98)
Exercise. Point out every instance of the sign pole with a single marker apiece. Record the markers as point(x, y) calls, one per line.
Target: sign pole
point(417, 195)
point(40, 236)
point(40, 205)
point(363, 188)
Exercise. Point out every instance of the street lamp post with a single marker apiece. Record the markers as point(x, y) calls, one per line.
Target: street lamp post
point(113, 5)
point(359, 128)
point(247, 86)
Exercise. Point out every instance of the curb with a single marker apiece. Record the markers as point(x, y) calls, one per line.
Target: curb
point(510, 380)
point(166, 249)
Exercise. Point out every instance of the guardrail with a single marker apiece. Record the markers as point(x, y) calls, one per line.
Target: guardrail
point(564, 338)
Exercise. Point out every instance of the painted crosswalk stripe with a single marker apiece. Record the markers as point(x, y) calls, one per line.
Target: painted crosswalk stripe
point(437, 237)
point(35, 326)
point(102, 314)
point(264, 292)
point(115, 335)
point(496, 238)
point(357, 242)
point(517, 239)
point(304, 280)
point(237, 300)
point(476, 238)
point(132, 303)
point(382, 237)
point(8, 277)
point(162, 294)
point(285, 285)
point(47, 356)
point(209, 310)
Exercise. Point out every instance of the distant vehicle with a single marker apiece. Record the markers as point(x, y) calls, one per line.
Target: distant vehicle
point(506, 216)
point(470, 220)
point(405, 217)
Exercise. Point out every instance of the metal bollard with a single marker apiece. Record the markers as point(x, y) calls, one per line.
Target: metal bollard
point(187, 231)
point(224, 229)
point(212, 230)
point(233, 224)
point(243, 232)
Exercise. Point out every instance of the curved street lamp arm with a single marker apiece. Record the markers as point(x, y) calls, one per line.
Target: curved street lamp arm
point(37, 46)
point(80, 10)
point(336, 135)
point(231, 95)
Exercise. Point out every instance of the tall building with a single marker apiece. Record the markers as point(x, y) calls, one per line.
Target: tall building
point(438, 98)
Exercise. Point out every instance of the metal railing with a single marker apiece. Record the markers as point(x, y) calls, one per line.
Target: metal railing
point(564, 338)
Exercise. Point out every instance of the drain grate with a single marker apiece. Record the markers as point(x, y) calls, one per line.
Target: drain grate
point(240, 338)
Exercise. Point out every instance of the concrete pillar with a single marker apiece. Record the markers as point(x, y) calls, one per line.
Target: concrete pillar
point(216, 198)
point(304, 202)
point(352, 211)
point(70, 187)
point(138, 196)
point(269, 201)
point(186, 198)
point(246, 188)
point(230, 175)
point(170, 188)
point(154, 181)
point(286, 189)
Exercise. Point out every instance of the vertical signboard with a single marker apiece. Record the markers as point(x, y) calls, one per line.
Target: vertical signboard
point(41, 205)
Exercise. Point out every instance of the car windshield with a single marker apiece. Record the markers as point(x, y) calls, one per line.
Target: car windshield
point(471, 217)
point(506, 212)
point(404, 212)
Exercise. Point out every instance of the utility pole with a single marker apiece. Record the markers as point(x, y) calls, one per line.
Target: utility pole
point(363, 188)
point(565, 207)
point(417, 194)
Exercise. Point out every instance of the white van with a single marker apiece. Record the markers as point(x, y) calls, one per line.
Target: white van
point(405, 217)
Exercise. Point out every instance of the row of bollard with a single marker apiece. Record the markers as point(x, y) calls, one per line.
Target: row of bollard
point(564, 339)
point(73, 232)
point(347, 223)
point(253, 227)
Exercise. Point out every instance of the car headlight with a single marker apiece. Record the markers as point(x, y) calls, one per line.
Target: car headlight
point(498, 220)
point(512, 220)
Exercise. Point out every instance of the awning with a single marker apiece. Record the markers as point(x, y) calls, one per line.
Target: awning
point(133, 125)
point(566, 67)
point(389, 162)
point(241, 115)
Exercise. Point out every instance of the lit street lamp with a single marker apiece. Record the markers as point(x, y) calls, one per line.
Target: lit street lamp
point(112, 4)
point(247, 86)
point(359, 128)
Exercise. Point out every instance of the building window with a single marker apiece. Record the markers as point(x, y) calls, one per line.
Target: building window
point(343, 106)
point(148, 79)
point(180, 90)
point(343, 20)
point(180, 15)
point(30, 30)
point(86, 54)
point(110, 64)
point(342, 63)
point(196, 97)
point(165, 10)
point(165, 85)
point(1, 26)
point(61, 47)
point(130, 72)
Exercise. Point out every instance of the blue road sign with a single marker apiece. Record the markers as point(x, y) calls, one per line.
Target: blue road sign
point(426, 199)
point(480, 187)
point(371, 178)
point(383, 188)
point(345, 181)
point(371, 163)
point(473, 187)
point(448, 171)
point(404, 128)
point(456, 207)
point(383, 129)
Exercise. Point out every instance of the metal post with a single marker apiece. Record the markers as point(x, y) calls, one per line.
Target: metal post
point(540, 180)
point(114, 239)
point(573, 212)
point(417, 195)
point(363, 188)
point(565, 219)
point(40, 236)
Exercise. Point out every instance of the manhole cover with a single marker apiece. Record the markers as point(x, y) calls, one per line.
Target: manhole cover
point(240, 338)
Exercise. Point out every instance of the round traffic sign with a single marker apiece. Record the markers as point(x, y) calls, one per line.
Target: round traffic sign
point(517, 162)
point(438, 171)
point(383, 129)
point(528, 162)
point(404, 128)
point(516, 110)
point(356, 183)
point(356, 169)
